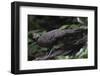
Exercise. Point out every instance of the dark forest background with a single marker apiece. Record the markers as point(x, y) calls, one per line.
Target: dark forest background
point(39, 24)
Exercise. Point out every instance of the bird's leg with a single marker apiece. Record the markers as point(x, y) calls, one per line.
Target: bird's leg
point(51, 50)
point(47, 56)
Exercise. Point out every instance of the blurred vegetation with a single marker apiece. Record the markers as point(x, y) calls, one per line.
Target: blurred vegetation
point(38, 25)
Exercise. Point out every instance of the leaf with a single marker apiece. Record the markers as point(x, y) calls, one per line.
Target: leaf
point(83, 53)
point(64, 27)
point(74, 26)
point(61, 57)
point(29, 40)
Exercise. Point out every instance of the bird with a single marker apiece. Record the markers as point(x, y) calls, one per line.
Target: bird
point(71, 38)
point(48, 39)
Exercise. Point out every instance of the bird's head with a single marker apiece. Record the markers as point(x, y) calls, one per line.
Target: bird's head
point(35, 36)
